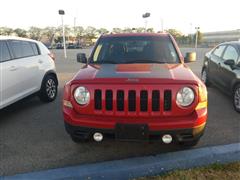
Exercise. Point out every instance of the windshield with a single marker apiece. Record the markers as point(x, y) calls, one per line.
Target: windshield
point(141, 49)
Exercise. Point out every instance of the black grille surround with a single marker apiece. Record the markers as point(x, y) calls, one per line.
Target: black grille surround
point(127, 100)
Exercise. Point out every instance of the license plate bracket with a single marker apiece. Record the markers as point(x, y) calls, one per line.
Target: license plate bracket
point(132, 132)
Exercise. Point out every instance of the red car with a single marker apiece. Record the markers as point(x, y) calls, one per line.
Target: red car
point(135, 87)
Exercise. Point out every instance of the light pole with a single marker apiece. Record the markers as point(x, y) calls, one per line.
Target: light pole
point(61, 12)
point(162, 25)
point(191, 34)
point(196, 38)
point(74, 26)
point(144, 16)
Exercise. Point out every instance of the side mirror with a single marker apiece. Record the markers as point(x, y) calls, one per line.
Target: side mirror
point(190, 57)
point(229, 62)
point(81, 58)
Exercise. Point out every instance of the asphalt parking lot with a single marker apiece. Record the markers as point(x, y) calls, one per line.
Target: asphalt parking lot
point(32, 135)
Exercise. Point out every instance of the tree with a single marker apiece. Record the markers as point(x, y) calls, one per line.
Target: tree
point(20, 32)
point(34, 33)
point(68, 31)
point(117, 30)
point(6, 31)
point(175, 33)
point(140, 29)
point(79, 31)
point(102, 31)
point(150, 30)
point(90, 32)
point(180, 37)
point(50, 33)
point(128, 30)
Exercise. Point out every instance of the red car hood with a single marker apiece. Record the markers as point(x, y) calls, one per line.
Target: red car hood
point(136, 73)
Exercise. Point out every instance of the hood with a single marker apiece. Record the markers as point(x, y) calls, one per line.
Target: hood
point(136, 73)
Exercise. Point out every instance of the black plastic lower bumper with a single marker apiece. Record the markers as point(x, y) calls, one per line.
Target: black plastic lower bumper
point(179, 135)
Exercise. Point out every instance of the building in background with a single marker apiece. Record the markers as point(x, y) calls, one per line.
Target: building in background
point(214, 38)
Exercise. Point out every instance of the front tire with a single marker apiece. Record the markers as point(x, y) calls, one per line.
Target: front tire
point(236, 98)
point(205, 78)
point(49, 89)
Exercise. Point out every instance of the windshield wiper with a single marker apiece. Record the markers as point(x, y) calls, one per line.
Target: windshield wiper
point(145, 61)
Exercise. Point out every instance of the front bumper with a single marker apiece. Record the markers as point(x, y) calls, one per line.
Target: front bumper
point(179, 135)
point(182, 128)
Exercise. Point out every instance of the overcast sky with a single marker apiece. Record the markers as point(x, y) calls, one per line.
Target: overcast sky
point(184, 15)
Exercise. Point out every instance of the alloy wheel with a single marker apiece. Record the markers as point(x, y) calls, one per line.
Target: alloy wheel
point(51, 88)
point(237, 98)
point(204, 76)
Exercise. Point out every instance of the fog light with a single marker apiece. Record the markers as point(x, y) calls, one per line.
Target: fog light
point(98, 136)
point(167, 138)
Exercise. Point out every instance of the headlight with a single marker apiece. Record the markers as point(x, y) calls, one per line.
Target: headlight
point(82, 95)
point(185, 97)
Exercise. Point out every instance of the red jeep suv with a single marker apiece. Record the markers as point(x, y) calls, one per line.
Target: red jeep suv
point(135, 87)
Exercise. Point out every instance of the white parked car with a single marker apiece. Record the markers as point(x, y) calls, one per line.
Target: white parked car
point(26, 67)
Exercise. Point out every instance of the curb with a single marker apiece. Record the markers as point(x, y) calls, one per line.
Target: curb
point(141, 166)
